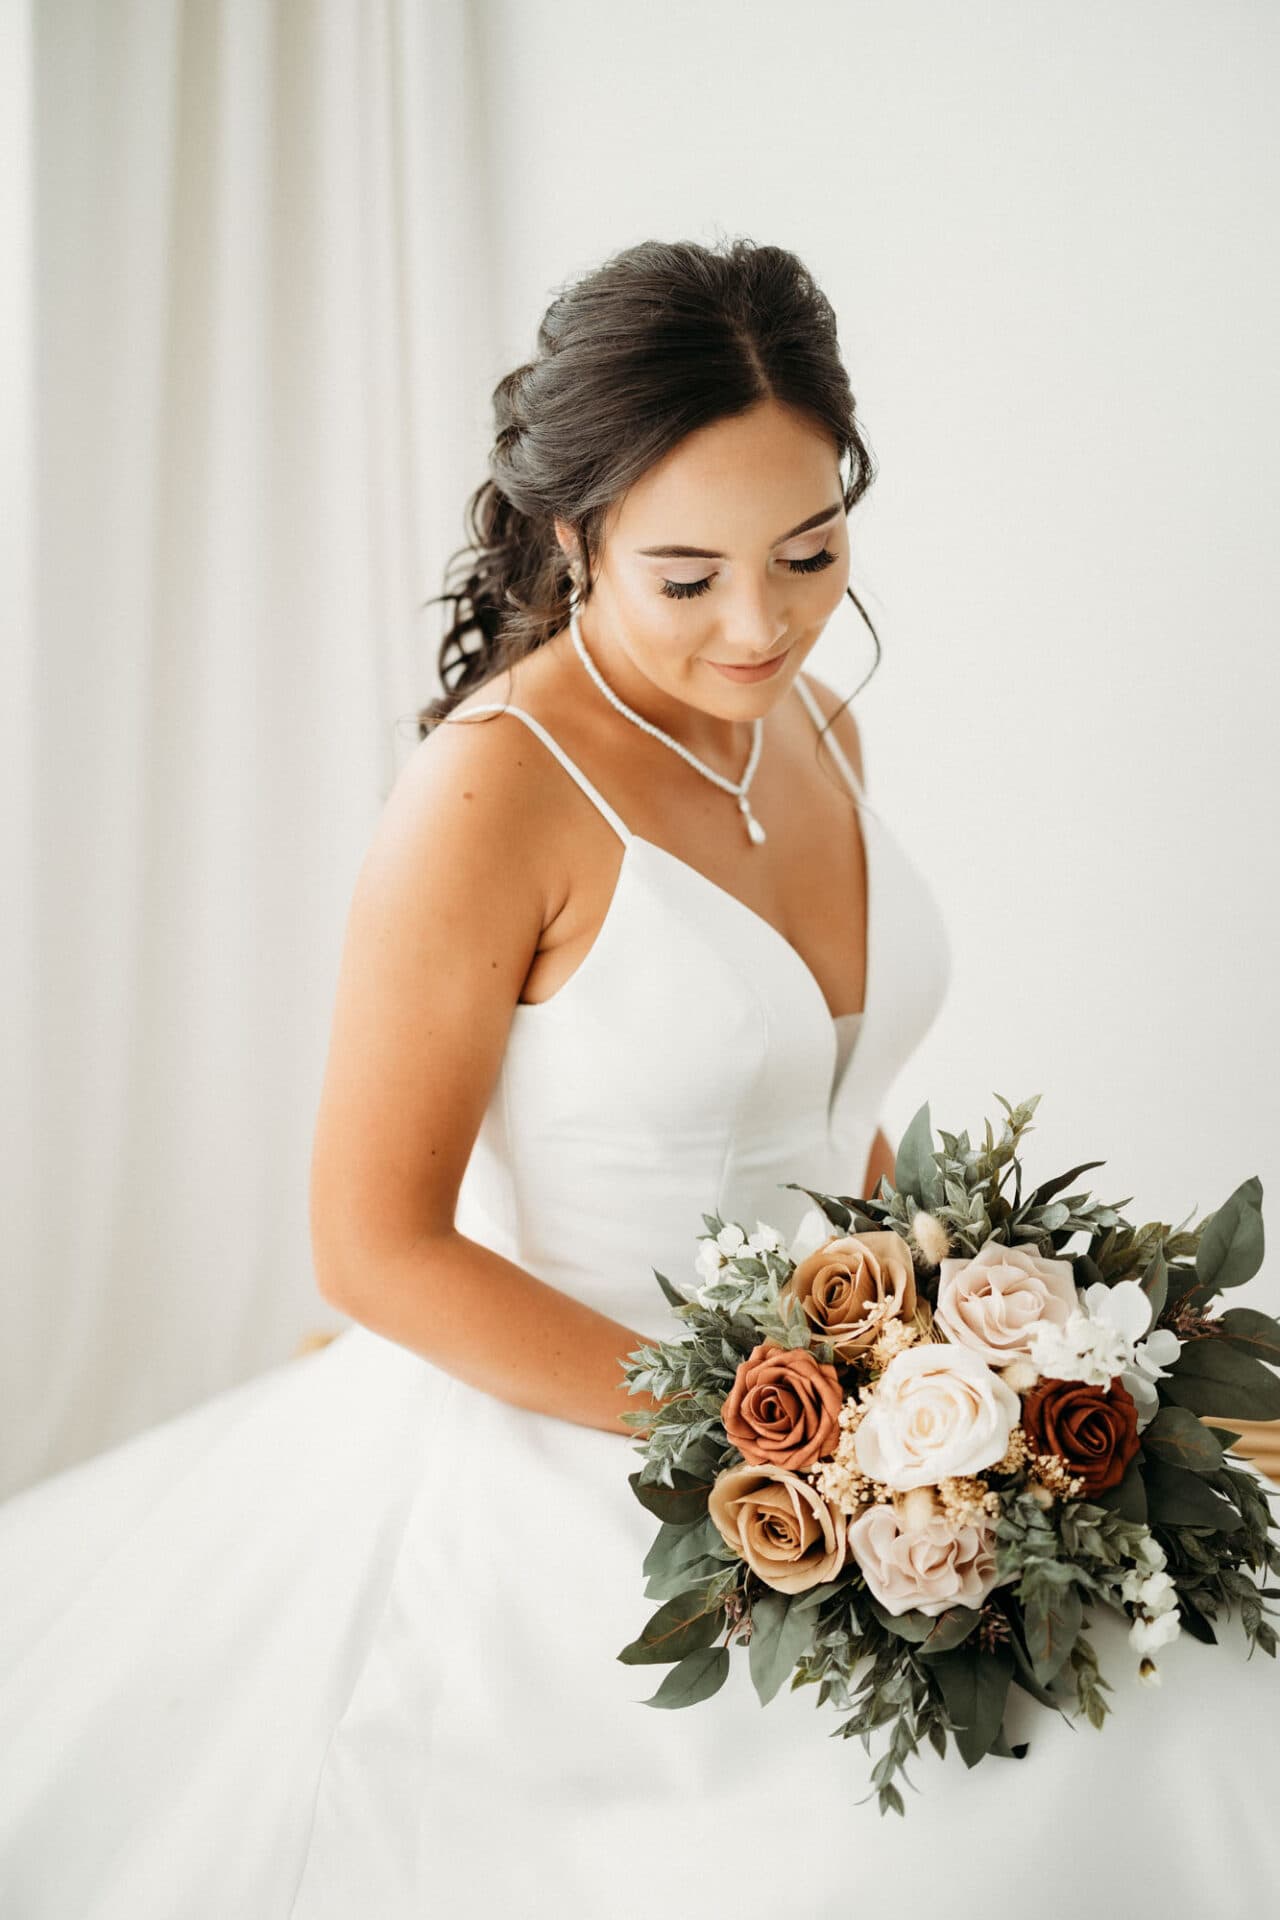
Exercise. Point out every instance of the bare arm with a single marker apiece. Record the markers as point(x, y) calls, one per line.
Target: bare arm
point(446, 916)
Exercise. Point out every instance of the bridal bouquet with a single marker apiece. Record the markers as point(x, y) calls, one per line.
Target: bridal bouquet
point(921, 1439)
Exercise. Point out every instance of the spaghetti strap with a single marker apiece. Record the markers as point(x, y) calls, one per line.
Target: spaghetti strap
point(837, 751)
point(497, 706)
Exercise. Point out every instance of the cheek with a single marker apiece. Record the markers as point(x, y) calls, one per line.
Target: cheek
point(831, 583)
point(663, 634)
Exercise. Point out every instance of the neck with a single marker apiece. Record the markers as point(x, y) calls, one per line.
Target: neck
point(722, 743)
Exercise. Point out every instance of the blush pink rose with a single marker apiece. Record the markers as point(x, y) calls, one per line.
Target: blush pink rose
point(927, 1566)
point(992, 1301)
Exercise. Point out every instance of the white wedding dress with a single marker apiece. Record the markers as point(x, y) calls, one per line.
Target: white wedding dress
point(340, 1643)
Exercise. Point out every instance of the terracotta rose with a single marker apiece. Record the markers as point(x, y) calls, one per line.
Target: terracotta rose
point(851, 1285)
point(784, 1407)
point(780, 1524)
point(1094, 1429)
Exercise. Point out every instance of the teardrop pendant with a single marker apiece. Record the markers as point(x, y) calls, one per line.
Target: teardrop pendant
point(755, 831)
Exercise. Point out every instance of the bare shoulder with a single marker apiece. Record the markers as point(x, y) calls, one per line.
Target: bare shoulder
point(479, 782)
point(844, 728)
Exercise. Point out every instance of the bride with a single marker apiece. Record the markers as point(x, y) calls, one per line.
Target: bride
point(630, 943)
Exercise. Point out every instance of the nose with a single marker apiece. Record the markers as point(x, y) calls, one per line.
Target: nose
point(757, 624)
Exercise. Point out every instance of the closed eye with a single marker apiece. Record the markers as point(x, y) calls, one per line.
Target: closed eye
point(686, 589)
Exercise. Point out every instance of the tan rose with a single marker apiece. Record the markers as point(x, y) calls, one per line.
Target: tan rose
point(851, 1285)
point(993, 1301)
point(784, 1407)
point(782, 1526)
point(916, 1560)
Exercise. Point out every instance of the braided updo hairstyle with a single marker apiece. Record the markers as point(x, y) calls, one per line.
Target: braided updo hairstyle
point(663, 338)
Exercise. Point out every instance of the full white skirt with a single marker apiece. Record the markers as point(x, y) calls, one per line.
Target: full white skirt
point(342, 1642)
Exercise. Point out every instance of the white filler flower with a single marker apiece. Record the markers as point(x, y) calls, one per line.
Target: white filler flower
point(1102, 1341)
point(715, 1252)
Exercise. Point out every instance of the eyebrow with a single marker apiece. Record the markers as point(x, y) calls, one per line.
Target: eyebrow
point(708, 553)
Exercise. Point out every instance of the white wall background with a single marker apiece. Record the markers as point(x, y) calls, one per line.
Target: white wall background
point(281, 255)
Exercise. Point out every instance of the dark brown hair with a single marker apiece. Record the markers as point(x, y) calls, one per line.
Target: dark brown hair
point(663, 338)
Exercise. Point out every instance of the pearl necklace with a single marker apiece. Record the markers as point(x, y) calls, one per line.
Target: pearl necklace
point(736, 787)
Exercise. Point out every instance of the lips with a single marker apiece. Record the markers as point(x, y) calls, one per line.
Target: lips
point(760, 670)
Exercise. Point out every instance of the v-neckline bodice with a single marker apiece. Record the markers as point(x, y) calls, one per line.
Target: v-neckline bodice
point(835, 1024)
point(832, 1026)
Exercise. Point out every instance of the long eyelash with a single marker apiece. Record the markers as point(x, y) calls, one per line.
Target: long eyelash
point(814, 564)
point(686, 589)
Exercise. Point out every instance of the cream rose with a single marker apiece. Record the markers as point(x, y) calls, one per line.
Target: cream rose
point(936, 1411)
point(780, 1524)
point(924, 1562)
point(993, 1301)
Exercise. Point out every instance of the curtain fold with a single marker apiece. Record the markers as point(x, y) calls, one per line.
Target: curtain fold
point(261, 382)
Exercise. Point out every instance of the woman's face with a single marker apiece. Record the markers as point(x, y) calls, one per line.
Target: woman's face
point(661, 624)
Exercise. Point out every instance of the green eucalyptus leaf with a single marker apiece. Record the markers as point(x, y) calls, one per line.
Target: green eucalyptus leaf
point(1128, 1497)
point(1155, 1283)
point(673, 1581)
point(950, 1627)
point(679, 1504)
point(911, 1625)
point(915, 1170)
point(974, 1689)
point(836, 1210)
point(814, 1596)
point(1053, 1615)
point(681, 1626)
point(674, 1297)
point(1253, 1332)
point(1231, 1242)
point(1177, 1437)
point(701, 1460)
point(1182, 1284)
point(780, 1632)
point(1195, 1622)
point(1048, 1188)
point(1176, 1498)
point(1024, 1673)
point(697, 1677)
point(675, 1544)
point(1216, 1376)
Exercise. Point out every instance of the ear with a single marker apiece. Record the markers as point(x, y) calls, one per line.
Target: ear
point(568, 539)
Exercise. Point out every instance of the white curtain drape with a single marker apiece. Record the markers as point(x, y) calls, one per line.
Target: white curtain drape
point(261, 385)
